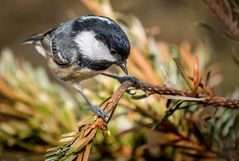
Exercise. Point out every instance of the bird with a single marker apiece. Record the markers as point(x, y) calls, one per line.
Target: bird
point(82, 48)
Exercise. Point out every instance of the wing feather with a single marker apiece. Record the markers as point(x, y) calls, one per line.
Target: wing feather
point(46, 45)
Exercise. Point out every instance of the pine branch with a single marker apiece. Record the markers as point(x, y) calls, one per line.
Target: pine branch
point(79, 145)
point(216, 101)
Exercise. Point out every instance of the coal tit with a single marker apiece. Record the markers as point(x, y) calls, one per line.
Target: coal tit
point(82, 48)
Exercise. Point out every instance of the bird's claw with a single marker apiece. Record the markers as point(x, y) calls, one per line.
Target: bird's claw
point(99, 112)
point(128, 78)
point(122, 79)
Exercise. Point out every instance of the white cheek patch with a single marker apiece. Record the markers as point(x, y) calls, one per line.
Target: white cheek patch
point(92, 48)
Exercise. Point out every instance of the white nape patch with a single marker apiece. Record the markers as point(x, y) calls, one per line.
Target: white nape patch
point(97, 17)
point(92, 48)
point(41, 50)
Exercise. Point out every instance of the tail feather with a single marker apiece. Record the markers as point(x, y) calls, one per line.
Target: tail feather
point(34, 39)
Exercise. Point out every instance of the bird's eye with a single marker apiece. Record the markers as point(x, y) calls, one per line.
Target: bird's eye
point(113, 51)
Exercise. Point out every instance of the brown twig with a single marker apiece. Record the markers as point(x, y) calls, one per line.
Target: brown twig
point(110, 105)
point(133, 84)
point(216, 101)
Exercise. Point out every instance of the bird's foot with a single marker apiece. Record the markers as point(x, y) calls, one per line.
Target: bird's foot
point(122, 79)
point(99, 112)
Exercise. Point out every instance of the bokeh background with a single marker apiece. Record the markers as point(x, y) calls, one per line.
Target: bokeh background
point(171, 22)
point(175, 18)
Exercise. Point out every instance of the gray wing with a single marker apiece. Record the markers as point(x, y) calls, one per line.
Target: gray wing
point(64, 48)
point(55, 43)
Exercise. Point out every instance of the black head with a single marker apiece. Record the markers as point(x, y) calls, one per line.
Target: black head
point(110, 33)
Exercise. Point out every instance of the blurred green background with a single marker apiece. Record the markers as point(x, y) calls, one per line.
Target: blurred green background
point(175, 18)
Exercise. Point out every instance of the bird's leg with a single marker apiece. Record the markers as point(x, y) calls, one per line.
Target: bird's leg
point(95, 109)
point(122, 79)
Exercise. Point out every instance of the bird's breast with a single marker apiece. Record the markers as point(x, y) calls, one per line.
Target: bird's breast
point(72, 73)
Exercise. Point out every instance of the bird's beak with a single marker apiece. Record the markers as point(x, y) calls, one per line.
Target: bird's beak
point(123, 66)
